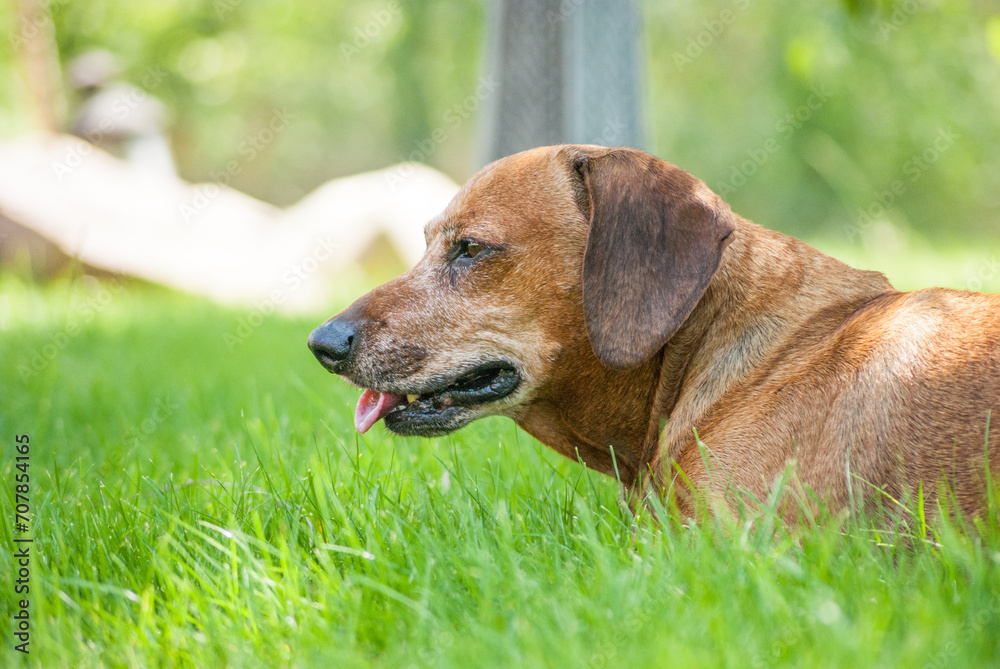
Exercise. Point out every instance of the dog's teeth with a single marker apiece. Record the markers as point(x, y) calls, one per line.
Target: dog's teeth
point(411, 398)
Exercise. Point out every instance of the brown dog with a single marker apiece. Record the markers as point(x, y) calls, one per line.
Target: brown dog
point(615, 307)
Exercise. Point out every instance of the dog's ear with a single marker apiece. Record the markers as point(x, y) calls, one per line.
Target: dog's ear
point(656, 238)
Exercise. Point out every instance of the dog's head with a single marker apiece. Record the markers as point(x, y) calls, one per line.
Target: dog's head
point(541, 258)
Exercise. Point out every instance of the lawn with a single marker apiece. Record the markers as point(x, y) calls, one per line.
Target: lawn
point(202, 500)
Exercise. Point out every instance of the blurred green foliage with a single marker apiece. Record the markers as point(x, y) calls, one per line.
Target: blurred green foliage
point(870, 87)
point(804, 116)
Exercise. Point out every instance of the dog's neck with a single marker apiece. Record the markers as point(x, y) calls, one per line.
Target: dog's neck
point(767, 287)
point(595, 414)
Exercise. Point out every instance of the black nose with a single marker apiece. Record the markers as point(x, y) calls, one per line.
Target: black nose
point(331, 342)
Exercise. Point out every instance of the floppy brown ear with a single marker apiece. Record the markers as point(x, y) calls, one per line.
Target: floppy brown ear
point(655, 241)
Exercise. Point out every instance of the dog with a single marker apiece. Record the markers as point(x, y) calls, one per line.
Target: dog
point(617, 309)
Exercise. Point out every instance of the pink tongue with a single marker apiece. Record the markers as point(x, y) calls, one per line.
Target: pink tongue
point(372, 406)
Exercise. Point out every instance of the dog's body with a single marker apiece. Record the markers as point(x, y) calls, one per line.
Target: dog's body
point(831, 367)
point(595, 294)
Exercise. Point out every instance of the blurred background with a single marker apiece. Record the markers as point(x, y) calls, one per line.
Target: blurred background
point(256, 153)
point(867, 126)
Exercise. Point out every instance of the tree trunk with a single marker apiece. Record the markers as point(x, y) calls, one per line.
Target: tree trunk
point(569, 72)
point(38, 59)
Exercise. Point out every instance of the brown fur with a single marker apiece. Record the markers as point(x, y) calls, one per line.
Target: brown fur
point(629, 295)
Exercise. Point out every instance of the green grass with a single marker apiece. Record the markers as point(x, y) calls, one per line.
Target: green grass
point(200, 506)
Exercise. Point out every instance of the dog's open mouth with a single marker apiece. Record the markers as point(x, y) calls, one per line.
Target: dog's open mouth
point(433, 412)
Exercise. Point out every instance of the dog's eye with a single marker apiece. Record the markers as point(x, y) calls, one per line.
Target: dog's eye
point(466, 250)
